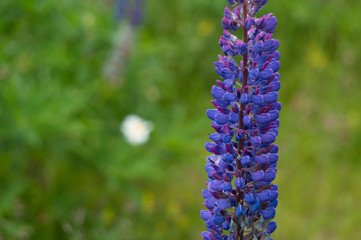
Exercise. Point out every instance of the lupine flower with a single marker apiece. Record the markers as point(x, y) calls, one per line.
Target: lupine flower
point(240, 197)
point(135, 129)
point(131, 12)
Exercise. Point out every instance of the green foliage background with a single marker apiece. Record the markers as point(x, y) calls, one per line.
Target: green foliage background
point(66, 171)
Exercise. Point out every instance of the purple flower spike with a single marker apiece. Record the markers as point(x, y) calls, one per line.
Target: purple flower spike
point(245, 120)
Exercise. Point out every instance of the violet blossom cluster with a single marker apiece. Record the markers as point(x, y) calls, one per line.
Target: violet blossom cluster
point(131, 10)
point(240, 196)
point(131, 13)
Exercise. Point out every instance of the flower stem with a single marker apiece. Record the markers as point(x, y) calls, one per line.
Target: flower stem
point(240, 147)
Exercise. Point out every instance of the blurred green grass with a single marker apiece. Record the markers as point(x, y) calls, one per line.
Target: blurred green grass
point(66, 172)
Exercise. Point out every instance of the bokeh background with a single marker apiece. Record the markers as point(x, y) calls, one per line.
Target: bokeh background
point(72, 70)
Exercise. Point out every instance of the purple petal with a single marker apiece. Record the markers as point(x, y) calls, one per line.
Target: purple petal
point(217, 92)
point(223, 204)
point(222, 119)
point(250, 198)
point(206, 194)
point(268, 213)
point(211, 113)
point(245, 160)
point(206, 215)
point(264, 196)
point(257, 176)
point(261, 159)
point(269, 175)
point(271, 227)
point(255, 141)
point(239, 182)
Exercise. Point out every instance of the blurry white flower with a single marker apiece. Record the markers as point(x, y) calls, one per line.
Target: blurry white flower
point(135, 129)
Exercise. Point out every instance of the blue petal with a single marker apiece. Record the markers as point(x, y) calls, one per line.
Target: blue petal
point(233, 117)
point(271, 227)
point(271, 25)
point(253, 74)
point(239, 182)
point(227, 187)
point(229, 97)
point(258, 99)
point(222, 103)
point(247, 121)
point(268, 138)
point(258, 47)
point(223, 204)
point(215, 185)
point(215, 137)
point(226, 138)
point(218, 219)
point(273, 204)
point(273, 158)
point(231, 2)
point(274, 187)
point(206, 236)
point(229, 157)
point(274, 149)
point(217, 92)
point(211, 113)
point(211, 226)
point(270, 46)
point(225, 225)
point(276, 86)
point(219, 64)
point(255, 207)
point(275, 66)
point(249, 22)
point(250, 198)
point(278, 106)
point(269, 175)
point(261, 159)
point(206, 193)
point(263, 118)
point(255, 141)
point(214, 148)
point(264, 196)
point(266, 74)
point(222, 119)
point(206, 215)
point(257, 176)
point(240, 211)
point(245, 99)
point(223, 164)
point(268, 213)
point(277, 55)
point(274, 195)
point(226, 73)
point(245, 160)
point(210, 202)
point(270, 97)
